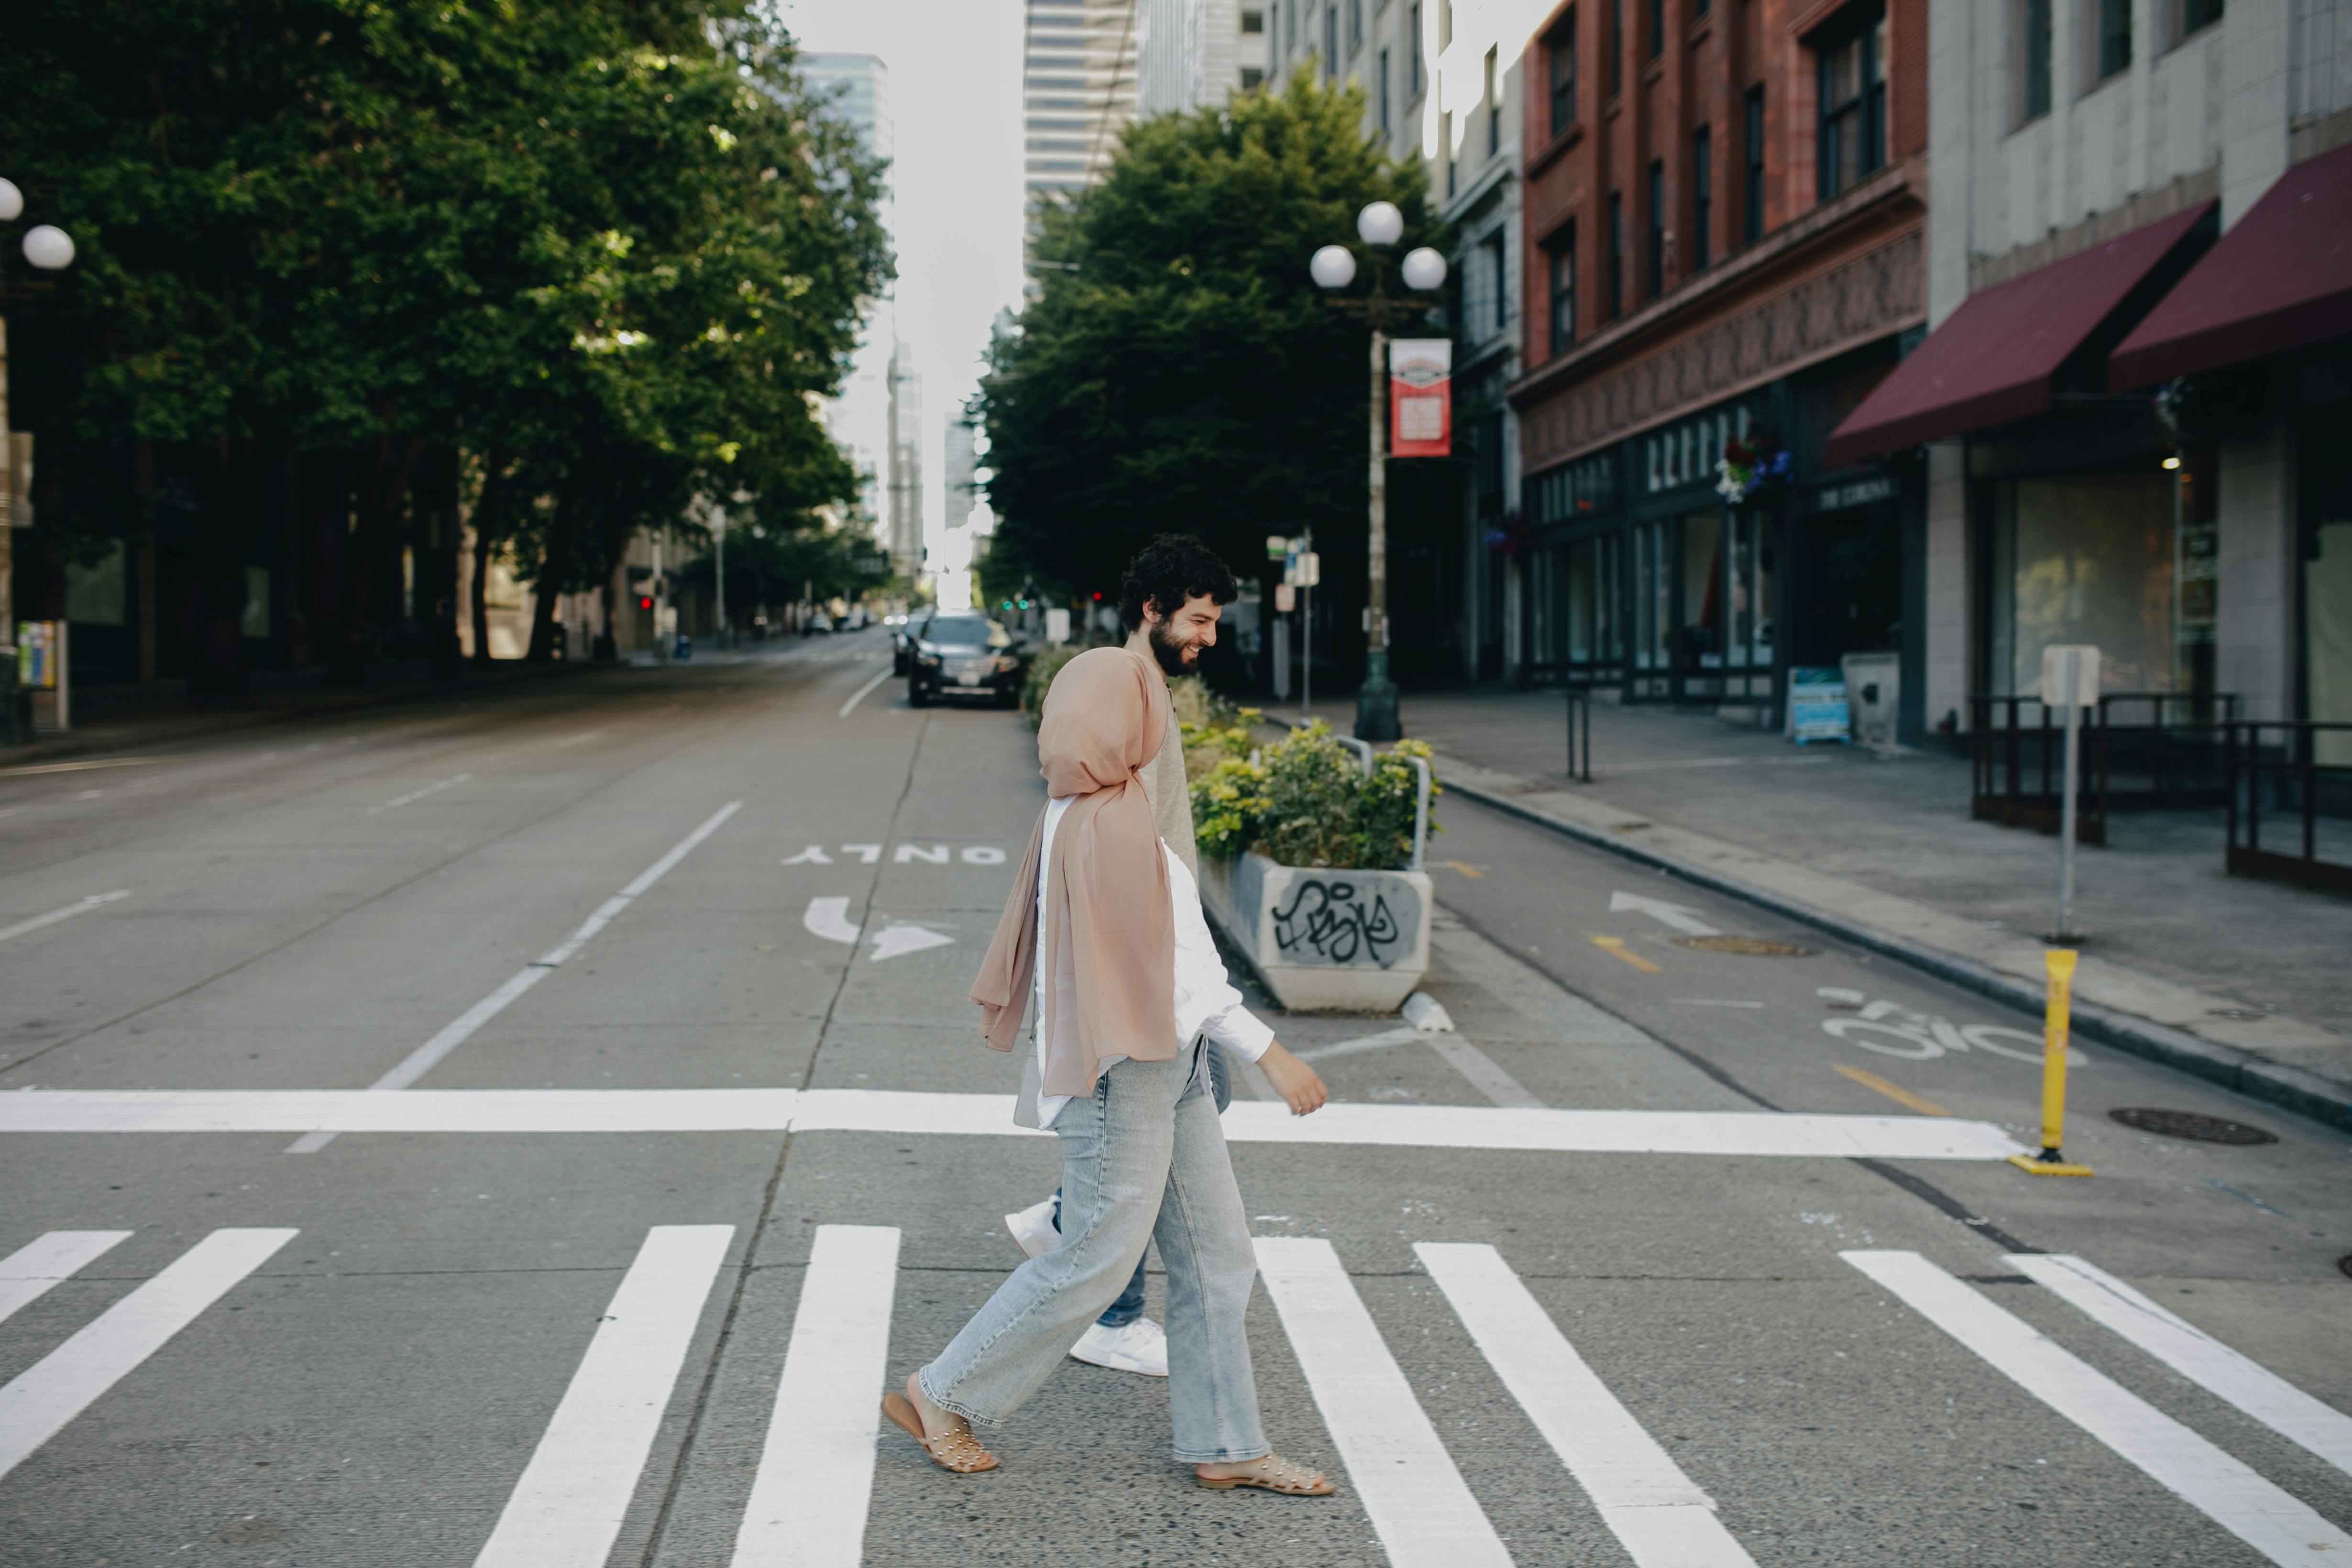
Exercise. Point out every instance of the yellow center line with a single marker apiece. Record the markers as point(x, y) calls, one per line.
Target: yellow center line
point(1900, 1095)
point(1471, 871)
point(1615, 948)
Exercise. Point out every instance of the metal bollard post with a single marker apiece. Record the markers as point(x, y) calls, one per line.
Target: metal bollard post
point(2057, 1005)
point(1580, 706)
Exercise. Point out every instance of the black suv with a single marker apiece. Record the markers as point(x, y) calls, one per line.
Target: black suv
point(963, 654)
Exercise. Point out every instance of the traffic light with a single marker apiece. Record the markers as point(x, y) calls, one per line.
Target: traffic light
point(644, 602)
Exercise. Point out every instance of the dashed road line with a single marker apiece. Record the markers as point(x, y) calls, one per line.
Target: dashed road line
point(80, 906)
point(1894, 1091)
point(1615, 948)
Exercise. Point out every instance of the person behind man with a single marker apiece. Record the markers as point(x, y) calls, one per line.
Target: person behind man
point(1104, 927)
point(1170, 601)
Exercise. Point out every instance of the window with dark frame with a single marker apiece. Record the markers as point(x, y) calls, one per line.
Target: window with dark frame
point(1616, 47)
point(1850, 141)
point(1253, 21)
point(1701, 7)
point(1416, 81)
point(1561, 48)
point(1561, 263)
point(1331, 40)
point(2112, 48)
point(2196, 15)
point(1751, 215)
point(1702, 197)
point(1386, 130)
point(1253, 78)
point(2032, 57)
point(1355, 25)
point(1658, 28)
point(1616, 255)
point(1494, 104)
point(1498, 284)
point(1657, 228)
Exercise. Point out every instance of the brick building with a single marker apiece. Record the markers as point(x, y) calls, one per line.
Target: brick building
point(1724, 223)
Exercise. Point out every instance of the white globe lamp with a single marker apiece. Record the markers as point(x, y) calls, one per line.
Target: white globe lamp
point(1381, 224)
point(1424, 269)
point(12, 201)
point(1332, 267)
point(48, 247)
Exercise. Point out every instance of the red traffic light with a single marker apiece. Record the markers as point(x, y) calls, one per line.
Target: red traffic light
point(644, 602)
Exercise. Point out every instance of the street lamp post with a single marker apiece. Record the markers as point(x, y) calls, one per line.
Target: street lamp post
point(1333, 267)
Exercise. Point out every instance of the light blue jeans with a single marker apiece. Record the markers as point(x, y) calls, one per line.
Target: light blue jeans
point(1142, 1161)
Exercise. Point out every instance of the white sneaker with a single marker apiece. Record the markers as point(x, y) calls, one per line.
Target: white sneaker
point(1032, 1228)
point(1139, 1347)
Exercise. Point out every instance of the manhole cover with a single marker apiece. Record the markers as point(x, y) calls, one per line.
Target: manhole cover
point(1754, 946)
point(2189, 1124)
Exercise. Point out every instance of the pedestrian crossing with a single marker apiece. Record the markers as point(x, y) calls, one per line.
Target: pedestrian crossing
point(812, 1492)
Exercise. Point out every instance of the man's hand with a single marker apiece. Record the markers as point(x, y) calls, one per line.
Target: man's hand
point(1295, 1081)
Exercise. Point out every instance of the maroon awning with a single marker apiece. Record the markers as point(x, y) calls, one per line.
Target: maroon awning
point(2280, 278)
point(1992, 358)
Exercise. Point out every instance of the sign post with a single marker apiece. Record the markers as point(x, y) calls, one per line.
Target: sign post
point(2070, 678)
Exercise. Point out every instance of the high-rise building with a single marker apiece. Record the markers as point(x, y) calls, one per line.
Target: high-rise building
point(1193, 54)
point(859, 418)
point(962, 459)
point(903, 532)
point(1078, 93)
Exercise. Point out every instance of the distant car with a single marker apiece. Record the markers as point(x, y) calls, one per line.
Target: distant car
point(821, 622)
point(961, 654)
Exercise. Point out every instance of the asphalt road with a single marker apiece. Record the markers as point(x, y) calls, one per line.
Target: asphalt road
point(660, 976)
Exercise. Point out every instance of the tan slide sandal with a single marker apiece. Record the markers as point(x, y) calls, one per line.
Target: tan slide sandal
point(1273, 1474)
point(957, 1450)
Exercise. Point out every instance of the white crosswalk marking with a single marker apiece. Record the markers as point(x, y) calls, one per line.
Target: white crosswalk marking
point(2250, 1508)
point(1419, 1505)
point(1663, 1518)
point(568, 1507)
point(28, 1274)
point(2195, 1354)
point(816, 1470)
point(63, 1384)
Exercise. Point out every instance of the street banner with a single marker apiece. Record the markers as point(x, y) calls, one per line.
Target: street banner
point(1421, 397)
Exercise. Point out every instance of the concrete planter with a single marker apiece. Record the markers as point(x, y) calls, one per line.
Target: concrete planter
point(1351, 940)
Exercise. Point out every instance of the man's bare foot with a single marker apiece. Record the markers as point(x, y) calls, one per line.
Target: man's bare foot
point(1272, 1473)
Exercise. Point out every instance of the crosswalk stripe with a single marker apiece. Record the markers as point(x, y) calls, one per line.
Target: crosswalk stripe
point(1420, 1507)
point(63, 1384)
point(1662, 1518)
point(574, 1493)
point(28, 1274)
point(816, 1469)
point(2242, 1502)
point(2195, 1354)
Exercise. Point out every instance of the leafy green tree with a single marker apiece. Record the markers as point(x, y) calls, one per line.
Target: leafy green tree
point(1179, 369)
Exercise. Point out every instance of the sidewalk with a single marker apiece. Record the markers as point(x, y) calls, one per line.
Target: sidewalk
point(118, 718)
point(2242, 981)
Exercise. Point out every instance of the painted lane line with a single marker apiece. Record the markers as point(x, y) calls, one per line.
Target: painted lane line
point(2195, 1354)
point(423, 1058)
point(66, 1381)
point(581, 738)
point(829, 918)
point(30, 1272)
point(77, 767)
point(1677, 916)
point(859, 695)
point(414, 795)
point(1615, 948)
point(569, 1506)
point(1419, 1505)
point(1760, 1134)
point(1362, 1042)
point(1485, 1073)
point(1660, 1515)
point(1894, 1091)
point(81, 906)
point(815, 1481)
point(2242, 1502)
point(1711, 1002)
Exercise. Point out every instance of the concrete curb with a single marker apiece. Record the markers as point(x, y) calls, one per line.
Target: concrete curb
point(232, 720)
point(2306, 1093)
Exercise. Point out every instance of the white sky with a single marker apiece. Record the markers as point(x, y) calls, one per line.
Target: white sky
point(955, 105)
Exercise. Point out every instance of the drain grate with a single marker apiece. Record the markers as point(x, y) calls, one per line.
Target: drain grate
point(1754, 946)
point(2189, 1124)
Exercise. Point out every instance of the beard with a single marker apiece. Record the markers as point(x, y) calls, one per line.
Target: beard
point(1175, 658)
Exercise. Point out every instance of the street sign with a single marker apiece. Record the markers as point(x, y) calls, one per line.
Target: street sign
point(1277, 547)
point(1285, 599)
point(1306, 570)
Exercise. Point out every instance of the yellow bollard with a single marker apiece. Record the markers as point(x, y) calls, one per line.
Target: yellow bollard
point(2059, 964)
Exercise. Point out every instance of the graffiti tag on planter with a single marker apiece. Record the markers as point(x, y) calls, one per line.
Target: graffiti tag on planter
point(1328, 921)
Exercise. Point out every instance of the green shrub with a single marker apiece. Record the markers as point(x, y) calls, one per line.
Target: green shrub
point(1306, 801)
point(1039, 679)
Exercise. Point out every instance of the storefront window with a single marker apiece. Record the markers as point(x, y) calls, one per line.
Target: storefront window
point(2085, 559)
point(1653, 594)
point(1703, 594)
point(1747, 609)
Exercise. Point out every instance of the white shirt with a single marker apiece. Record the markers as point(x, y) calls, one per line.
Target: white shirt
point(1206, 1002)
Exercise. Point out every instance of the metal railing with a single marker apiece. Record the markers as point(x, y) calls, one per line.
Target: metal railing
point(2276, 764)
point(2139, 749)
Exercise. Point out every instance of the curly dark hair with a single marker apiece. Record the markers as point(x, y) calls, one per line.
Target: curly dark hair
point(1169, 571)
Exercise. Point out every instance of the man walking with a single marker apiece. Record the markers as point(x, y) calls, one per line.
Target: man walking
point(1170, 601)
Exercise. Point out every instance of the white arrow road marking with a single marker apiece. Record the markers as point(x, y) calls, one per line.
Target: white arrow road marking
point(829, 918)
point(68, 912)
point(897, 939)
point(1682, 919)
